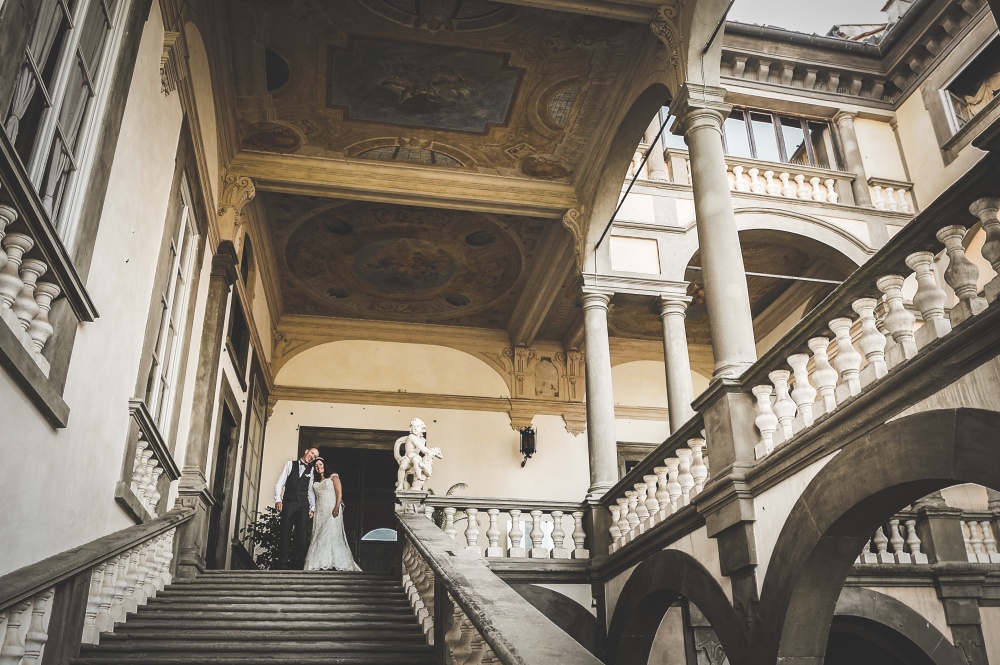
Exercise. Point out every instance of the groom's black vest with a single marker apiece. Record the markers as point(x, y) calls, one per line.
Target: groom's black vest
point(297, 488)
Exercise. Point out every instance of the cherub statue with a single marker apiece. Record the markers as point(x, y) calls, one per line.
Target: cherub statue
point(414, 457)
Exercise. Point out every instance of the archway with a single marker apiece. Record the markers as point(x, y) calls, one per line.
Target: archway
point(861, 488)
point(654, 586)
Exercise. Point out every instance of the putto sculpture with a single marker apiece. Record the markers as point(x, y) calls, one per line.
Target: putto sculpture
point(415, 459)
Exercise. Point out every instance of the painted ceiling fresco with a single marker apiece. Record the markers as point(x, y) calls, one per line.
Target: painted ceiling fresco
point(399, 263)
point(473, 85)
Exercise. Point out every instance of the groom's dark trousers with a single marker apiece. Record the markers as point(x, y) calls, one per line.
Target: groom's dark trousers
point(295, 518)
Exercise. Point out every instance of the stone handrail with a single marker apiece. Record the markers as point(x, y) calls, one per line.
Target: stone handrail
point(119, 571)
point(661, 484)
point(514, 528)
point(469, 613)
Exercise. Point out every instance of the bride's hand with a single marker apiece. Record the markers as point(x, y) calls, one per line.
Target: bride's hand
point(336, 511)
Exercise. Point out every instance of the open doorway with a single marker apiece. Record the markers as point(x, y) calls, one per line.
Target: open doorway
point(367, 469)
point(223, 480)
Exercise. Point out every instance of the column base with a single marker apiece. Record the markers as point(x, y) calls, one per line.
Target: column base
point(192, 536)
point(732, 370)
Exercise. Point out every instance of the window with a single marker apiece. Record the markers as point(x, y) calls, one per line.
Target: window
point(170, 315)
point(62, 84)
point(774, 138)
point(975, 89)
point(669, 139)
point(250, 487)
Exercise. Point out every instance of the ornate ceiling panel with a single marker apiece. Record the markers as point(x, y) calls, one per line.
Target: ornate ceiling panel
point(399, 263)
point(460, 84)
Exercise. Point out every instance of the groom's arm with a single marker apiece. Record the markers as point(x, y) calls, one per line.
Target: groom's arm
point(312, 499)
point(279, 488)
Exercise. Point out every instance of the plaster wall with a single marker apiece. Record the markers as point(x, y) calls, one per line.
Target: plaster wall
point(966, 497)
point(975, 390)
point(668, 644)
point(991, 632)
point(773, 337)
point(879, 149)
point(772, 507)
point(922, 600)
point(640, 383)
point(84, 460)
point(261, 315)
point(613, 591)
point(705, 550)
point(201, 78)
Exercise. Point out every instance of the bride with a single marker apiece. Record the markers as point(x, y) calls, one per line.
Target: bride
point(329, 549)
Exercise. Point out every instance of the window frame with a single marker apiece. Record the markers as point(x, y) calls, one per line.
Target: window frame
point(776, 118)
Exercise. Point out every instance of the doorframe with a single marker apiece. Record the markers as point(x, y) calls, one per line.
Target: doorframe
point(227, 400)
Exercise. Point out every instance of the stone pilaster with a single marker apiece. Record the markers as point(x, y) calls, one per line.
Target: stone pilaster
point(700, 116)
point(657, 165)
point(194, 491)
point(844, 123)
point(601, 437)
point(680, 391)
point(959, 595)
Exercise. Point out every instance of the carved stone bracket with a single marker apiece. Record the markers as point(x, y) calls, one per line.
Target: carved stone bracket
point(236, 192)
point(169, 70)
point(576, 421)
point(665, 24)
point(573, 374)
point(573, 221)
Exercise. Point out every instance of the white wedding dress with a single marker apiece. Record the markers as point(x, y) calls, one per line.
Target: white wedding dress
point(328, 549)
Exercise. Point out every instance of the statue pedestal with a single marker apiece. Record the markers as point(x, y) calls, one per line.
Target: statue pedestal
point(411, 501)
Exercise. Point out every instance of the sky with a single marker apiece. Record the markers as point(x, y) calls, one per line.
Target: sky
point(809, 16)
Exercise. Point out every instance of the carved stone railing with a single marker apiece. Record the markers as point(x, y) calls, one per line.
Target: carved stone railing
point(660, 486)
point(512, 528)
point(896, 542)
point(787, 181)
point(148, 467)
point(468, 613)
point(884, 334)
point(892, 195)
point(980, 538)
point(120, 572)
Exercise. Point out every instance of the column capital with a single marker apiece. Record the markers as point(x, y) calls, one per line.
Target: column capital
point(699, 106)
point(224, 262)
point(597, 299)
point(674, 304)
point(844, 117)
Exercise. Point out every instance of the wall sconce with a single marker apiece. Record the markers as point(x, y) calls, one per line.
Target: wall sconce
point(527, 444)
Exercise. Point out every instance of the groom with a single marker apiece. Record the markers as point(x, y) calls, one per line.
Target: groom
point(294, 499)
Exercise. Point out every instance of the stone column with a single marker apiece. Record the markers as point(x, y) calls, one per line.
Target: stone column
point(194, 491)
point(726, 294)
point(844, 122)
point(601, 438)
point(657, 165)
point(680, 391)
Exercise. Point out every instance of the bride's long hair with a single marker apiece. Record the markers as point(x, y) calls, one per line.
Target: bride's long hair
point(319, 475)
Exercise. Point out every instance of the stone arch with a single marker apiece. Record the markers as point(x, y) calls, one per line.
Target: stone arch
point(862, 487)
point(656, 584)
point(901, 619)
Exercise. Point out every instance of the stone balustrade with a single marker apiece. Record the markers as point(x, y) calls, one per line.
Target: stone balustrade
point(980, 539)
point(511, 528)
point(26, 293)
point(132, 567)
point(789, 181)
point(418, 583)
point(855, 352)
point(149, 467)
point(892, 196)
point(895, 542)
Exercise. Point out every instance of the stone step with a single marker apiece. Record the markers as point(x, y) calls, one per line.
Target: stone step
point(139, 622)
point(266, 604)
point(237, 645)
point(289, 615)
point(422, 658)
point(290, 597)
point(289, 575)
point(196, 633)
point(374, 585)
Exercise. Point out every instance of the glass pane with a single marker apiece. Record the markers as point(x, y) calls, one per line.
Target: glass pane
point(737, 141)
point(822, 145)
point(95, 29)
point(795, 141)
point(671, 140)
point(764, 138)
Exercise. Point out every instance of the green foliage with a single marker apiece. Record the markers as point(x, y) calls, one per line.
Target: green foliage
point(263, 538)
point(438, 515)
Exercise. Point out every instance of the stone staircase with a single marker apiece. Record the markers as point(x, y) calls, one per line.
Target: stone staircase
point(250, 617)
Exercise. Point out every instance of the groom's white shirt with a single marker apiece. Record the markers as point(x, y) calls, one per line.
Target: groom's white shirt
point(279, 489)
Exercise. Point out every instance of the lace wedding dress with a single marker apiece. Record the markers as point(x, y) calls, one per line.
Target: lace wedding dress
point(329, 549)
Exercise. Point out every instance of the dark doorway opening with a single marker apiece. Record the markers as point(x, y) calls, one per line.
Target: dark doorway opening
point(367, 469)
point(859, 641)
point(222, 490)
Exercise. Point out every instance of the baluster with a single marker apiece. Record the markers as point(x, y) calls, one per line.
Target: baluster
point(771, 186)
point(847, 361)
point(788, 189)
point(867, 556)
point(784, 407)
point(449, 523)
point(478, 649)
point(819, 194)
point(37, 636)
point(493, 534)
point(967, 539)
point(15, 244)
point(579, 537)
point(803, 394)
point(640, 508)
point(132, 578)
point(904, 201)
point(154, 499)
point(976, 540)
point(7, 217)
point(684, 476)
point(699, 470)
point(877, 199)
point(742, 182)
point(652, 505)
point(824, 376)
point(890, 199)
point(559, 550)
point(897, 542)
point(632, 517)
point(121, 584)
point(802, 190)
point(882, 547)
point(105, 622)
point(143, 571)
point(898, 321)
point(623, 526)
point(91, 634)
point(156, 567)
point(40, 328)
point(616, 515)
point(673, 485)
point(961, 275)
point(989, 542)
point(662, 495)
point(766, 421)
point(986, 210)
point(25, 308)
point(913, 542)
point(12, 649)
point(146, 484)
point(756, 184)
point(930, 299)
point(462, 648)
point(537, 535)
point(168, 555)
point(831, 191)
point(472, 530)
point(871, 342)
point(429, 512)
